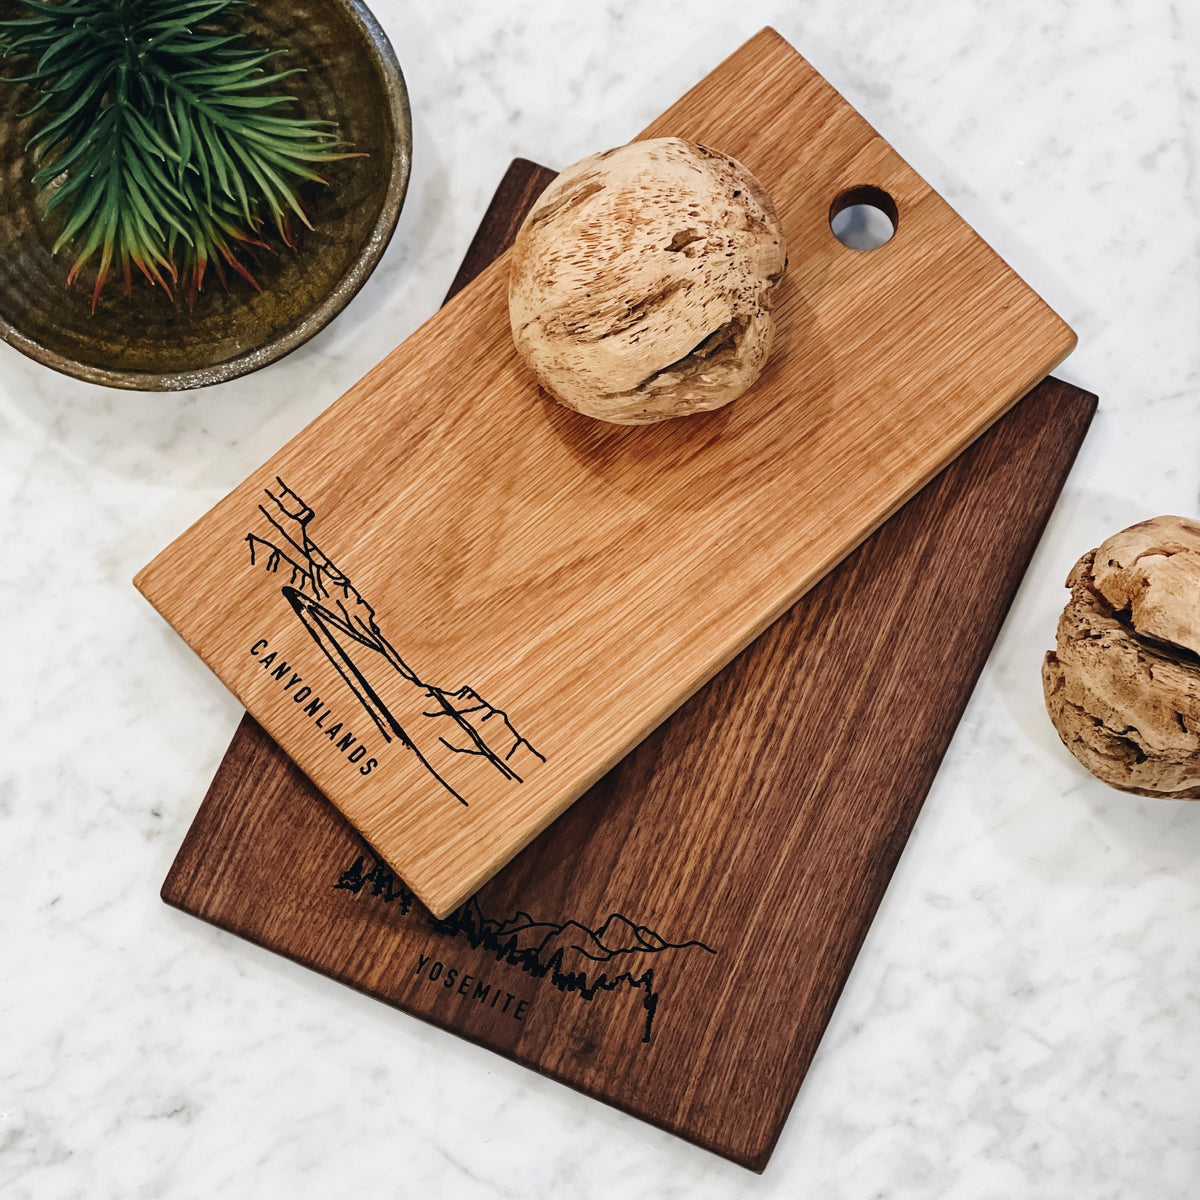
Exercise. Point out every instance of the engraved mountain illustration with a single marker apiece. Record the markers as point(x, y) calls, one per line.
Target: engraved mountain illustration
point(463, 742)
point(568, 955)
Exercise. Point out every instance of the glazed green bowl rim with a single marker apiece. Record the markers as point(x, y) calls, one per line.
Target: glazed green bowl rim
point(308, 324)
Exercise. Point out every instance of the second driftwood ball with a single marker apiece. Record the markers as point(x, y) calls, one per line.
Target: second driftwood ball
point(1123, 685)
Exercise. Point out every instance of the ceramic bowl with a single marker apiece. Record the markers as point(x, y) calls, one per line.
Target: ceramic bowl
point(148, 342)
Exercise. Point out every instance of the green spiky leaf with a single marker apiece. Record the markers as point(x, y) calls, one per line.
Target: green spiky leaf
point(164, 137)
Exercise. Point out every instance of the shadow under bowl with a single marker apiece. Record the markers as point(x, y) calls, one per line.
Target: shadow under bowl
point(149, 342)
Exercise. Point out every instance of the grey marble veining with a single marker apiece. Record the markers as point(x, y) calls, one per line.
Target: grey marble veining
point(1024, 1019)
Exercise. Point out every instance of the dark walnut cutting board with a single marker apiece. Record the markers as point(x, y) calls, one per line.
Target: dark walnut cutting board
point(522, 594)
point(676, 942)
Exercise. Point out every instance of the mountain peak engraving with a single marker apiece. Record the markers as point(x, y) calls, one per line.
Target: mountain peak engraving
point(569, 955)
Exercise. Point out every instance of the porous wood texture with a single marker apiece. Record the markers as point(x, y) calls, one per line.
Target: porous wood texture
point(523, 594)
point(641, 283)
point(675, 943)
point(1122, 685)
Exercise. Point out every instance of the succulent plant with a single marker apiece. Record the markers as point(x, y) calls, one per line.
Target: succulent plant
point(163, 136)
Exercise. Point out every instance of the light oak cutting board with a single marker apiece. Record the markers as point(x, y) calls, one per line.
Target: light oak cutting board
point(727, 889)
point(521, 594)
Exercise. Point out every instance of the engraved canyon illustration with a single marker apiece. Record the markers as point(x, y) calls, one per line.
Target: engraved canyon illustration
point(449, 730)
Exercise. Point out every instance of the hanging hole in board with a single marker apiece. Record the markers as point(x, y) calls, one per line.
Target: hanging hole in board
point(864, 218)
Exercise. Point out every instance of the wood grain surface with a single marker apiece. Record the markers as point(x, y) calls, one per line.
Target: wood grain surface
point(522, 594)
point(676, 942)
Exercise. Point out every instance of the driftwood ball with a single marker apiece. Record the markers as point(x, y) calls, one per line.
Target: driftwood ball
point(642, 279)
point(1123, 685)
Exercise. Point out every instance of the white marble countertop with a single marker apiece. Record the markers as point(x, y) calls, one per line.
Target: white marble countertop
point(1024, 1019)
